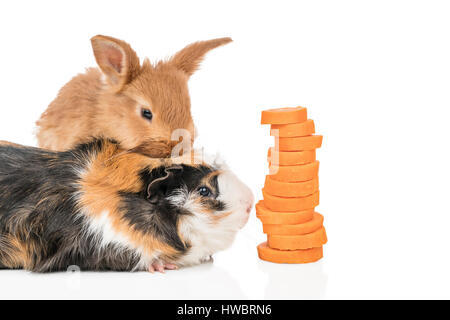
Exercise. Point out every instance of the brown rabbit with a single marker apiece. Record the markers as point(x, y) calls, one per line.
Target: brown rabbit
point(137, 105)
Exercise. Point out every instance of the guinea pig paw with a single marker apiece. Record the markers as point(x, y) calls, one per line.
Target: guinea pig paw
point(161, 266)
point(206, 259)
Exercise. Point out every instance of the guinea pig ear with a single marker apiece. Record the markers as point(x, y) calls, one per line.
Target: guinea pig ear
point(160, 186)
point(189, 58)
point(117, 60)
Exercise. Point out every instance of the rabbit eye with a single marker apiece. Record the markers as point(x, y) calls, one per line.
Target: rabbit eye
point(204, 191)
point(147, 114)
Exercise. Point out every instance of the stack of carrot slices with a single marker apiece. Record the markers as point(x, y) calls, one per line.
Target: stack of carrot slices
point(295, 232)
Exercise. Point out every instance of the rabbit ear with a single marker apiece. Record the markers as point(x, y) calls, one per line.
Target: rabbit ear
point(189, 58)
point(117, 60)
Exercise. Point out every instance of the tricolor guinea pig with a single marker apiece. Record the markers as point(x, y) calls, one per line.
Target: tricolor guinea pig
point(137, 104)
point(100, 207)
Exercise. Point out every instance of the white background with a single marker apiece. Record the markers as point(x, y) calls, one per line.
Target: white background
point(375, 77)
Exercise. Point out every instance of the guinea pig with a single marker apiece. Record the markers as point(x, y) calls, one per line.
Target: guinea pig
point(137, 105)
point(100, 207)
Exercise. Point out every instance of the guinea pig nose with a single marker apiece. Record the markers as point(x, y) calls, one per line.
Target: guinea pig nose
point(249, 209)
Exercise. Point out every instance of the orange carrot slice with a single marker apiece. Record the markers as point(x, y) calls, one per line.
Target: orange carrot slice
point(301, 129)
point(290, 189)
point(295, 229)
point(296, 173)
point(295, 242)
point(288, 158)
point(281, 217)
point(290, 204)
point(294, 256)
point(300, 143)
point(283, 115)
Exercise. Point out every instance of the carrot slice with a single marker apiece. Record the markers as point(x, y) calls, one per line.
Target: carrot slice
point(300, 143)
point(283, 115)
point(293, 256)
point(290, 189)
point(304, 241)
point(301, 129)
point(295, 229)
point(296, 173)
point(281, 217)
point(290, 204)
point(288, 158)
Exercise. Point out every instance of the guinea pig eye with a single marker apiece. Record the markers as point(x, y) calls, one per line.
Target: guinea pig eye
point(204, 191)
point(147, 114)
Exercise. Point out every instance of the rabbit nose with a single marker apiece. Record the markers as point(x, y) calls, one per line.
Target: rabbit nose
point(249, 209)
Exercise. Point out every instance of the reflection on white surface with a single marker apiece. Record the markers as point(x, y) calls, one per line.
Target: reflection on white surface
point(201, 282)
point(236, 273)
point(207, 281)
point(294, 281)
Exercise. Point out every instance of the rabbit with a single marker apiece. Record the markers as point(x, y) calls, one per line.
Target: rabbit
point(137, 105)
point(101, 207)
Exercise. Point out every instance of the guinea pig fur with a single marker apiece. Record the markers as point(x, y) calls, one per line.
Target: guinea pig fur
point(102, 208)
point(138, 105)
